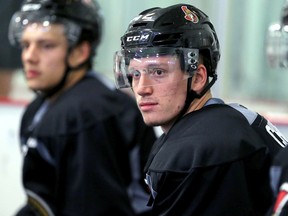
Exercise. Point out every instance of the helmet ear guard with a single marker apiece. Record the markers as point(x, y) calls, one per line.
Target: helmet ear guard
point(189, 59)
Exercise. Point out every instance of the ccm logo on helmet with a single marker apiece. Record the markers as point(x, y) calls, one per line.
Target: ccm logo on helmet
point(137, 38)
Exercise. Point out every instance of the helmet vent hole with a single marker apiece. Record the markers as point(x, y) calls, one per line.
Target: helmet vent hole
point(166, 39)
point(167, 24)
point(139, 24)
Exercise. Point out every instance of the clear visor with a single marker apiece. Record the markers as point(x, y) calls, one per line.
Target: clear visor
point(154, 66)
point(40, 21)
point(277, 46)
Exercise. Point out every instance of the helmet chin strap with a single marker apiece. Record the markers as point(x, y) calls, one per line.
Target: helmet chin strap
point(52, 91)
point(191, 95)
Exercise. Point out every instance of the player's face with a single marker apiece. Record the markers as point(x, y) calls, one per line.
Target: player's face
point(160, 89)
point(44, 51)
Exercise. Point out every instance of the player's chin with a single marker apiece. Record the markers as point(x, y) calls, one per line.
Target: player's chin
point(34, 86)
point(151, 120)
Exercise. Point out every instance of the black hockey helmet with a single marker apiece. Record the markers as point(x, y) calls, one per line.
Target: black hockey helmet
point(277, 40)
point(179, 25)
point(76, 15)
point(284, 14)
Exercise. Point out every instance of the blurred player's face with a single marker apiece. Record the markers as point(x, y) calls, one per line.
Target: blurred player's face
point(44, 52)
point(160, 89)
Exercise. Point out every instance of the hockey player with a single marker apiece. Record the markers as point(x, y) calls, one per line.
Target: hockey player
point(277, 50)
point(78, 134)
point(213, 158)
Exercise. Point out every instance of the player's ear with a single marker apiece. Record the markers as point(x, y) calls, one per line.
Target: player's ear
point(79, 54)
point(199, 79)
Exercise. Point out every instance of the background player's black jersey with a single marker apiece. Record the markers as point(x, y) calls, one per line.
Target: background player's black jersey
point(214, 161)
point(77, 150)
point(279, 174)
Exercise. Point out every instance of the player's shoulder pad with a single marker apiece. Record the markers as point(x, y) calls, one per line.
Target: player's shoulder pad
point(248, 114)
point(259, 121)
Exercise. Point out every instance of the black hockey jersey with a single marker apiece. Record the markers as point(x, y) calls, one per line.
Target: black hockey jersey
point(77, 151)
point(214, 161)
point(279, 176)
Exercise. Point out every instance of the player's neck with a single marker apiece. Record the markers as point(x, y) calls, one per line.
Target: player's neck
point(199, 102)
